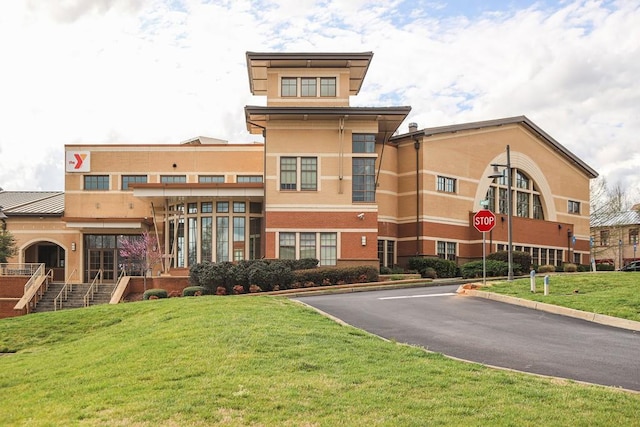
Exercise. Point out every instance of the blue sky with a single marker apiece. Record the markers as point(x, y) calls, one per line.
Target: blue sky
point(164, 71)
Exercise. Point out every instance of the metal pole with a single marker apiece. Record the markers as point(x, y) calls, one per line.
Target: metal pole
point(484, 259)
point(509, 214)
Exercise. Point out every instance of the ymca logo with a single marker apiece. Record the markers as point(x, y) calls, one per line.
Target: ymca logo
point(78, 161)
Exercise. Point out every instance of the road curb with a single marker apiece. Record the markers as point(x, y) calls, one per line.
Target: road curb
point(555, 309)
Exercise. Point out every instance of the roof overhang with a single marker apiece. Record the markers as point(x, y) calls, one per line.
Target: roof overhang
point(258, 63)
point(108, 223)
point(199, 190)
point(388, 118)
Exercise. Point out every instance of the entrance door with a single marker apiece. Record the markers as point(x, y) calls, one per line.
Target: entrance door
point(102, 259)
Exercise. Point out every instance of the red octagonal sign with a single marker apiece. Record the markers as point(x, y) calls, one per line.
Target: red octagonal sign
point(484, 220)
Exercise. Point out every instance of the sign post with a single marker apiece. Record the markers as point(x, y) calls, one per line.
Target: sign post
point(484, 221)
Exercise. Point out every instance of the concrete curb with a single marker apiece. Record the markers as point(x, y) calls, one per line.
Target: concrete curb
point(555, 309)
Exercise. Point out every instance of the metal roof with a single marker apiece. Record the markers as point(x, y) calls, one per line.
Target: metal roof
point(618, 219)
point(521, 120)
point(32, 203)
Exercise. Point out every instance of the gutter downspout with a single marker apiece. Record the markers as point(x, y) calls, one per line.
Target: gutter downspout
point(416, 145)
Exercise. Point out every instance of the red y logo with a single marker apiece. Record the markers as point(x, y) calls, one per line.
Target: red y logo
point(79, 160)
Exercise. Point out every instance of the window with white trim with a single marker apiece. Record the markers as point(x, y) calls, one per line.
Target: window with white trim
point(446, 184)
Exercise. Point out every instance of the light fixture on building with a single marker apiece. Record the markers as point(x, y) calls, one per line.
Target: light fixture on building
point(497, 174)
point(73, 246)
point(363, 240)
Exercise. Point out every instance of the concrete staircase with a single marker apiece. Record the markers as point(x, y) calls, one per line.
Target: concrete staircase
point(75, 298)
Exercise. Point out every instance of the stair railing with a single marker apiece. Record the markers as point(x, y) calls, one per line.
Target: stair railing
point(64, 292)
point(88, 297)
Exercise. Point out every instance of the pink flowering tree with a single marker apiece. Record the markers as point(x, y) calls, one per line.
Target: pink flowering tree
point(141, 253)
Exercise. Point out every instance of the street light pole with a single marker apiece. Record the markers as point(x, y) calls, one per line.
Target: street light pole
point(497, 174)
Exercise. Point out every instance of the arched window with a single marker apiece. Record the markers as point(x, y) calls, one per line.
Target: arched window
point(526, 199)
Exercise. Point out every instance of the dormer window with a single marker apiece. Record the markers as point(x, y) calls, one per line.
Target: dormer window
point(308, 87)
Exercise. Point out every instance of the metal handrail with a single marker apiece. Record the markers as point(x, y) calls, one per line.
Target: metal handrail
point(18, 269)
point(88, 297)
point(34, 275)
point(68, 287)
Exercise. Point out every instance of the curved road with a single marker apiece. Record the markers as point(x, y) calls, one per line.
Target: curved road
point(492, 333)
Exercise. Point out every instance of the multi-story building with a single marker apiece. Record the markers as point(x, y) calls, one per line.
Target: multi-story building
point(330, 181)
point(614, 237)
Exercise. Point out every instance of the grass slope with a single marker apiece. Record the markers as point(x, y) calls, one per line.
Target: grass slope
point(263, 361)
point(611, 293)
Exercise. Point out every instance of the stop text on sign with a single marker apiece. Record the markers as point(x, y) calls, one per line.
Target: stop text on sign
point(484, 220)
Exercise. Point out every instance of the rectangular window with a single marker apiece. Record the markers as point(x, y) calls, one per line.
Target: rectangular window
point(391, 253)
point(96, 182)
point(308, 86)
point(193, 241)
point(308, 173)
point(535, 256)
point(502, 201)
point(633, 236)
point(255, 207)
point(448, 185)
point(522, 205)
point(288, 173)
point(604, 238)
point(133, 179)
point(446, 250)
point(522, 181)
point(287, 245)
point(307, 245)
point(363, 182)
point(537, 207)
point(248, 178)
point(574, 207)
point(328, 248)
point(222, 207)
point(208, 179)
point(491, 199)
point(577, 258)
point(206, 207)
point(289, 86)
point(239, 207)
point(205, 250)
point(173, 179)
point(222, 239)
point(363, 143)
point(192, 208)
point(328, 86)
point(238, 238)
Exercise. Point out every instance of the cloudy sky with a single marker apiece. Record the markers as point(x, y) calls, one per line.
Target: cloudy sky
point(163, 71)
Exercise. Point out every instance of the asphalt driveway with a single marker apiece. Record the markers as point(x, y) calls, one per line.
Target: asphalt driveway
point(492, 333)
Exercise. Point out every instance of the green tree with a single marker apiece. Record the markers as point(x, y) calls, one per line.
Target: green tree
point(8, 247)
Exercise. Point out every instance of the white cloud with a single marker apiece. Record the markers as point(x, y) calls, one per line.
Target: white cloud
point(164, 71)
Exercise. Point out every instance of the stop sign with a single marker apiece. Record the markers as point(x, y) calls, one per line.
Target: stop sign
point(484, 220)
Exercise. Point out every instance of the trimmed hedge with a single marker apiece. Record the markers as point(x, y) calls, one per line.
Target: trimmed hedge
point(190, 291)
point(546, 268)
point(493, 269)
point(327, 276)
point(443, 268)
point(521, 260)
point(154, 294)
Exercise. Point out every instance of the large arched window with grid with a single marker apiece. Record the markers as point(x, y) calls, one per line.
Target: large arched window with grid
point(526, 199)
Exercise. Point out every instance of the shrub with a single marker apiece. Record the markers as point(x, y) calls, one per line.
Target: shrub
point(605, 267)
point(444, 268)
point(328, 276)
point(570, 268)
point(154, 294)
point(430, 273)
point(494, 268)
point(546, 268)
point(521, 260)
point(190, 291)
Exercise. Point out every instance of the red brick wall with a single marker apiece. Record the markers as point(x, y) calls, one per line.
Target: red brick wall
point(12, 286)
point(6, 307)
point(168, 283)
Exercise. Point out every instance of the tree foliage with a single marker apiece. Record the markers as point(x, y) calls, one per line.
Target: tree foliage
point(8, 246)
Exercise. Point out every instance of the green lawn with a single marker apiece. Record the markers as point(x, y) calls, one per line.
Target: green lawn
point(262, 361)
point(612, 293)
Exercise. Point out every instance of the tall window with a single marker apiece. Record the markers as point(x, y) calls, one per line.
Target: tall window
point(503, 201)
point(328, 248)
point(448, 185)
point(206, 249)
point(363, 184)
point(133, 179)
point(522, 205)
point(238, 238)
point(633, 236)
point(192, 253)
point(308, 86)
point(537, 207)
point(573, 207)
point(222, 238)
point(309, 173)
point(288, 173)
point(307, 245)
point(328, 86)
point(173, 179)
point(604, 238)
point(491, 199)
point(96, 182)
point(289, 86)
point(287, 245)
